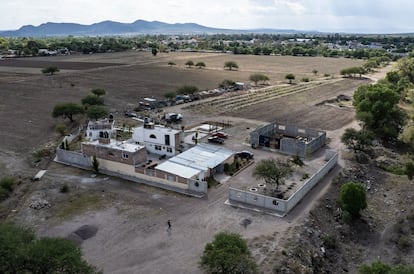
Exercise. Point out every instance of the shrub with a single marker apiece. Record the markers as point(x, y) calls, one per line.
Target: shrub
point(61, 129)
point(7, 183)
point(305, 79)
point(64, 188)
point(352, 198)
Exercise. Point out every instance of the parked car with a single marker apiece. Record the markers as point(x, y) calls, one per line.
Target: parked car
point(215, 139)
point(130, 114)
point(220, 134)
point(245, 154)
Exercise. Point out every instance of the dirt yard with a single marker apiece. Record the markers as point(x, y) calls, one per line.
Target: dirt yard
point(131, 218)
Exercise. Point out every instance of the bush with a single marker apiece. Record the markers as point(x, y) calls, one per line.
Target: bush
point(7, 183)
point(61, 129)
point(305, 79)
point(352, 198)
point(64, 188)
point(297, 160)
point(227, 253)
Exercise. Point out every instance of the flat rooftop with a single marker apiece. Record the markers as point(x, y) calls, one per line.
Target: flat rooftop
point(123, 146)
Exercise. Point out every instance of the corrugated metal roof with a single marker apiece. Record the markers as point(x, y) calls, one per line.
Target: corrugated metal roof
point(203, 156)
point(177, 169)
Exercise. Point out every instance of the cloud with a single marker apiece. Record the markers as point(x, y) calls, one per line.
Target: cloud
point(324, 15)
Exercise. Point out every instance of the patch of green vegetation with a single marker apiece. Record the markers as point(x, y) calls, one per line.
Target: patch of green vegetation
point(396, 169)
point(6, 187)
point(211, 182)
point(78, 204)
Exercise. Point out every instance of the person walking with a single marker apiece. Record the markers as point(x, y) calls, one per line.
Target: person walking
point(169, 225)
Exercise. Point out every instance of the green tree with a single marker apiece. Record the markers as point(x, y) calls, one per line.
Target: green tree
point(95, 164)
point(67, 110)
point(186, 89)
point(230, 65)
point(189, 63)
point(200, 65)
point(290, 77)
point(377, 107)
point(98, 92)
point(154, 51)
point(92, 100)
point(356, 140)
point(315, 72)
point(227, 253)
point(170, 95)
point(409, 170)
point(227, 83)
point(21, 252)
point(272, 171)
point(96, 112)
point(61, 129)
point(6, 188)
point(51, 70)
point(256, 77)
point(350, 72)
point(352, 198)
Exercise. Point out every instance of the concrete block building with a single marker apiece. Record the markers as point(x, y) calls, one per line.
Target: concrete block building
point(288, 139)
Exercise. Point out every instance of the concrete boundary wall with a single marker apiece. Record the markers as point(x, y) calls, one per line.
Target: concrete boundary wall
point(277, 206)
point(193, 188)
point(72, 158)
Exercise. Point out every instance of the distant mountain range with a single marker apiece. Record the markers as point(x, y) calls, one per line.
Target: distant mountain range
point(138, 27)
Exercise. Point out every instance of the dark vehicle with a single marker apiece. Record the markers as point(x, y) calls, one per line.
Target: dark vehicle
point(220, 135)
point(216, 140)
point(244, 154)
point(130, 114)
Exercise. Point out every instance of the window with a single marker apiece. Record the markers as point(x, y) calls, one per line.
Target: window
point(169, 149)
point(157, 147)
point(110, 153)
point(125, 155)
point(167, 140)
point(152, 136)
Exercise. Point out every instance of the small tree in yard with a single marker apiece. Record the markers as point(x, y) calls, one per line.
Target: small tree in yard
point(201, 65)
point(290, 77)
point(67, 110)
point(189, 63)
point(352, 198)
point(96, 112)
point(227, 253)
point(50, 70)
point(272, 171)
point(230, 65)
point(95, 165)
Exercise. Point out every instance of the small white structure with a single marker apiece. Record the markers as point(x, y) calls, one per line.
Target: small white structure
point(103, 128)
point(158, 139)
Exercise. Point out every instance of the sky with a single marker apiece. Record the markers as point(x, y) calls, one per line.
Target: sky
point(357, 16)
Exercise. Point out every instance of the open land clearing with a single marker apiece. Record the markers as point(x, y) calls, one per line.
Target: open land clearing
point(131, 218)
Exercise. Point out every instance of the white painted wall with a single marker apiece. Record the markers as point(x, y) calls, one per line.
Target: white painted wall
point(156, 145)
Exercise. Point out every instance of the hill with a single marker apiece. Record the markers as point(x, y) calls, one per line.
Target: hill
point(106, 28)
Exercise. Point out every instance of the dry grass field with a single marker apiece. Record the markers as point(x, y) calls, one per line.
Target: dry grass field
point(131, 218)
point(27, 99)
